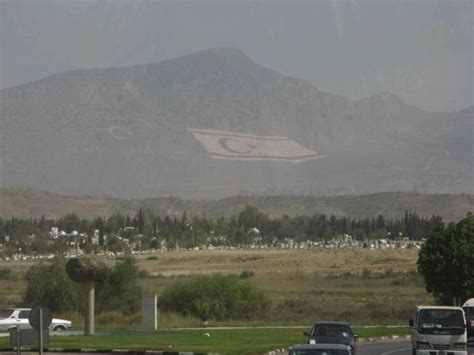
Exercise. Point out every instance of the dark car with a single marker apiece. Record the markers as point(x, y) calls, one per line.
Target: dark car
point(320, 349)
point(332, 333)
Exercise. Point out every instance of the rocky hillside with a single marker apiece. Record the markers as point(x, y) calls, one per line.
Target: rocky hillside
point(128, 132)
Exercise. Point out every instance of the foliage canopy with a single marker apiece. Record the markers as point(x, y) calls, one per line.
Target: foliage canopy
point(49, 285)
point(446, 261)
point(120, 290)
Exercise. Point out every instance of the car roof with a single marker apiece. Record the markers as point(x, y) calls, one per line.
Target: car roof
point(439, 307)
point(331, 323)
point(320, 346)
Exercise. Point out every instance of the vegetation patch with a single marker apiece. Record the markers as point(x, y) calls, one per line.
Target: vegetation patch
point(5, 274)
point(214, 297)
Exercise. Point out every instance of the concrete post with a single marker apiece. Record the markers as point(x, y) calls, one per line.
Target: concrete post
point(89, 292)
point(87, 271)
point(149, 312)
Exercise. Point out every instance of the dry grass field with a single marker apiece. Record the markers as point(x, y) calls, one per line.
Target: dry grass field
point(359, 285)
point(269, 263)
point(363, 286)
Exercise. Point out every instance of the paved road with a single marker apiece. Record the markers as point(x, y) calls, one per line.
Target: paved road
point(395, 348)
point(383, 348)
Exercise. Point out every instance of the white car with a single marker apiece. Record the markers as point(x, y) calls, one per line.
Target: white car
point(13, 317)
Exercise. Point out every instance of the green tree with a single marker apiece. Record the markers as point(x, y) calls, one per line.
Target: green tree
point(120, 290)
point(48, 284)
point(251, 217)
point(116, 245)
point(446, 261)
point(69, 222)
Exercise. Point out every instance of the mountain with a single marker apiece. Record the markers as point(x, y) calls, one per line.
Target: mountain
point(459, 140)
point(137, 132)
point(29, 203)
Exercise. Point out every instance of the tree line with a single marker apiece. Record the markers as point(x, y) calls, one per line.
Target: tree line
point(33, 235)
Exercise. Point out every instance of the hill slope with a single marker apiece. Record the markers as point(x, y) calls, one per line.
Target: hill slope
point(27, 203)
point(127, 132)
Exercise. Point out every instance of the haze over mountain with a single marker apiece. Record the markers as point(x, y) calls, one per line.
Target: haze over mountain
point(125, 132)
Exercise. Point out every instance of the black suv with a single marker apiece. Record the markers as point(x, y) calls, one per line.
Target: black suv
point(332, 333)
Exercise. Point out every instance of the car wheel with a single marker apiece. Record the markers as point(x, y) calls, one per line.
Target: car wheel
point(59, 328)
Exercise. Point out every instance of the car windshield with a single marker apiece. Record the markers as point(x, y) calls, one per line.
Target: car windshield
point(441, 319)
point(5, 313)
point(320, 352)
point(331, 330)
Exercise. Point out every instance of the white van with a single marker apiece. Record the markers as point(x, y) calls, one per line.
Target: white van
point(469, 311)
point(439, 331)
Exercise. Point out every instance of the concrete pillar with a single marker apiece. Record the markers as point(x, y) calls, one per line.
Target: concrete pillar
point(89, 295)
point(149, 312)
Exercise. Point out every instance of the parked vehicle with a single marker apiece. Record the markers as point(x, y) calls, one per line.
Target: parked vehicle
point(18, 317)
point(320, 349)
point(439, 331)
point(469, 311)
point(332, 333)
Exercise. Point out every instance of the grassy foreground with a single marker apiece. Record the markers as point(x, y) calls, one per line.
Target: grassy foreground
point(356, 285)
point(228, 341)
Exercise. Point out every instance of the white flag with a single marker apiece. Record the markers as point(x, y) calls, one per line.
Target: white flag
point(238, 146)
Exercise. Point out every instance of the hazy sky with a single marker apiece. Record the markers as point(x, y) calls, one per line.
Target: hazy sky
point(421, 50)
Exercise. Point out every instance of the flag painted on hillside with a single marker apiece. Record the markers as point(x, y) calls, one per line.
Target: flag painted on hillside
point(238, 146)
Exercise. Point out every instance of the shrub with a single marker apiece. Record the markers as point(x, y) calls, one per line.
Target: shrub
point(120, 290)
point(214, 297)
point(48, 284)
point(366, 274)
point(143, 274)
point(5, 274)
point(246, 274)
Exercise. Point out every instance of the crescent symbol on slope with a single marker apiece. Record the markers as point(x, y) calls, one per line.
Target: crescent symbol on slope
point(224, 144)
point(124, 133)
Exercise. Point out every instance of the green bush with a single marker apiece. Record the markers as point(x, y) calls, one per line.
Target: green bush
point(120, 290)
point(214, 297)
point(144, 274)
point(5, 274)
point(366, 274)
point(48, 284)
point(246, 274)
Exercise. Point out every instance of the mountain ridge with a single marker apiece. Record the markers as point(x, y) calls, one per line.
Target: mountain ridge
point(123, 132)
point(30, 203)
